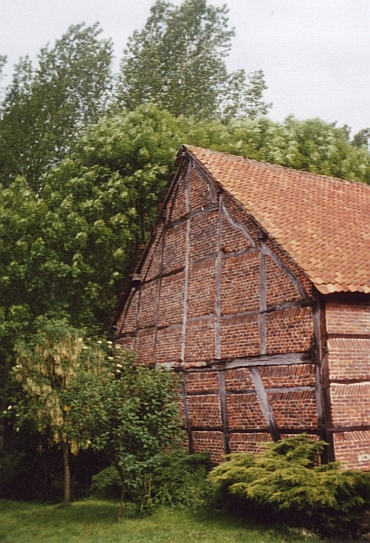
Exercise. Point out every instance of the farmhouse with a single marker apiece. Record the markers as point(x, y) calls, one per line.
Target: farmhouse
point(255, 285)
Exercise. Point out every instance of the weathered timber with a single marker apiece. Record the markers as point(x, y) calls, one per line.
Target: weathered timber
point(342, 429)
point(218, 284)
point(187, 259)
point(264, 402)
point(223, 408)
point(206, 179)
point(159, 291)
point(238, 225)
point(270, 360)
point(323, 377)
point(244, 391)
point(186, 414)
point(192, 214)
point(262, 300)
point(287, 272)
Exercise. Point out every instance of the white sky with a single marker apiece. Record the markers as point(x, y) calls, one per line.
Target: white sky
point(315, 53)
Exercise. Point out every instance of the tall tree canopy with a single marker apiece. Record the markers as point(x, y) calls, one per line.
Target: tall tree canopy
point(44, 109)
point(178, 61)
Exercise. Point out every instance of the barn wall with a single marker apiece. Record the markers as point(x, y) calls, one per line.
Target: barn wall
point(222, 304)
point(348, 330)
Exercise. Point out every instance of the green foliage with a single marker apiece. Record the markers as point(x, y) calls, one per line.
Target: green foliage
point(106, 484)
point(285, 478)
point(57, 371)
point(62, 380)
point(180, 479)
point(141, 422)
point(177, 61)
point(45, 109)
point(95, 521)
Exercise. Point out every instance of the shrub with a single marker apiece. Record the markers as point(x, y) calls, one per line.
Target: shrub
point(106, 484)
point(287, 480)
point(181, 479)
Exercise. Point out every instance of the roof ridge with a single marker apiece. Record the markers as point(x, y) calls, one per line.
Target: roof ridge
point(280, 166)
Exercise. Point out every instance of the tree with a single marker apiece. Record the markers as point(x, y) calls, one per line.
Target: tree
point(178, 62)
point(361, 138)
point(45, 110)
point(141, 422)
point(66, 249)
point(62, 379)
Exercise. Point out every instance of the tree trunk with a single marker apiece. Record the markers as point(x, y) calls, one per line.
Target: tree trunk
point(67, 474)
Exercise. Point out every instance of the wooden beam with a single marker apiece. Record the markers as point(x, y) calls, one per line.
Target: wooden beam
point(159, 291)
point(186, 414)
point(264, 403)
point(286, 359)
point(218, 272)
point(238, 225)
point(223, 408)
point(296, 282)
point(186, 271)
point(262, 300)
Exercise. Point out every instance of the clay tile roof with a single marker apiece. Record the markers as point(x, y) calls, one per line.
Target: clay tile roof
point(322, 222)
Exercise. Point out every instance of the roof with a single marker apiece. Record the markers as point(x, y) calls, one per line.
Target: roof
point(322, 222)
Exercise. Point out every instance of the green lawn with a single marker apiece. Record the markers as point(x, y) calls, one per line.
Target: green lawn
point(94, 521)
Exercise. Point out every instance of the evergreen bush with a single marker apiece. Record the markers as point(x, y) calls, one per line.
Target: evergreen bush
point(287, 480)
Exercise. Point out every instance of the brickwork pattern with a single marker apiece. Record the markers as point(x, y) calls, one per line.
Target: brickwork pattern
point(353, 449)
point(204, 411)
point(244, 412)
point(152, 264)
point(223, 324)
point(289, 330)
point(148, 303)
point(239, 336)
point(349, 358)
point(177, 204)
point(201, 381)
point(210, 441)
point(202, 286)
point(250, 442)
point(171, 304)
point(168, 344)
point(279, 288)
point(200, 341)
point(288, 376)
point(294, 410)
point(200, 191)
point(174, 257)
point(238, 379)
point(348, 319)
point(203, 235)
point(350, 404)
point(240, 278)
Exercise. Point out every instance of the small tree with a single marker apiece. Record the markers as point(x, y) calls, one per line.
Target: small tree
point(62, 378)
point(142, 421)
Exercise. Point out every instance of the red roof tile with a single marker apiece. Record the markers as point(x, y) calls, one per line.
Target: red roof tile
point(322, 222)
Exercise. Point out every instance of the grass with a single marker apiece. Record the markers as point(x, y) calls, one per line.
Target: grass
point(95, 521)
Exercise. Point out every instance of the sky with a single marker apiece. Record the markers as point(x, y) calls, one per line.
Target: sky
point(315, 53)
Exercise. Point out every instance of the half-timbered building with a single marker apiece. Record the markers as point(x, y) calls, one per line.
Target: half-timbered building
point(255, 285)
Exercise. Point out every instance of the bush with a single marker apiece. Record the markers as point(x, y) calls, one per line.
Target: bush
point(106, 484)
point(287, 480)
point(181, 479)
point(176, 479)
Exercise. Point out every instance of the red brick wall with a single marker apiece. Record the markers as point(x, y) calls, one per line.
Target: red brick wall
point(348, 330)
point(207, 281)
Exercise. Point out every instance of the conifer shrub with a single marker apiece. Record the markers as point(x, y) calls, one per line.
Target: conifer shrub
point(287, 481)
